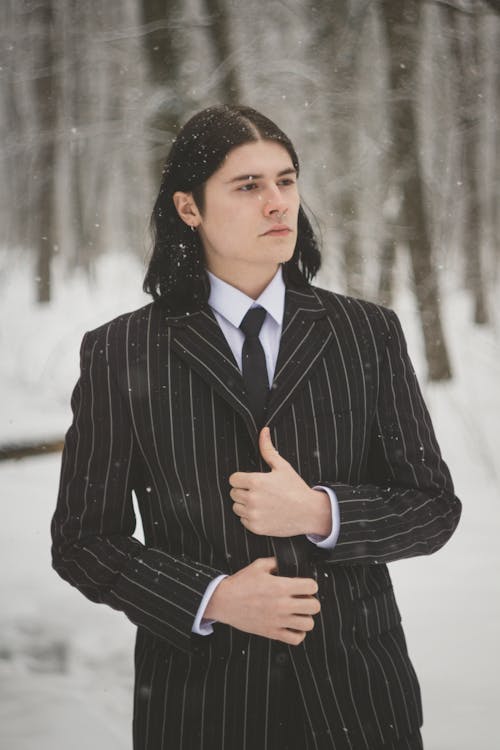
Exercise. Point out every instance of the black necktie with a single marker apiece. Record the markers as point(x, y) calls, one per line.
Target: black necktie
point(253, 364)
point(292, 555)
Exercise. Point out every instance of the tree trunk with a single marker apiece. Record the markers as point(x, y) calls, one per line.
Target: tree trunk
point(91, 148)
point(495, 209)
point(162, 44)
point(401, 22)
point(494, 5)
point(464, 46)
point(41, 21)
point(16, 165)
point(335, 41)
point(386, 276)
point(220, 33)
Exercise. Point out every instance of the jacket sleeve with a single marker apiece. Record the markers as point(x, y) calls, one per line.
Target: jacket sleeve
point(407, 506)
point(93, 547)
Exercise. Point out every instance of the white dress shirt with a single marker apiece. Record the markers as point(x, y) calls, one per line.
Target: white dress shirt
point(230, 306)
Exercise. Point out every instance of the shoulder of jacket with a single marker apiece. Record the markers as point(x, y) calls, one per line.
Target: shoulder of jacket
point(118, 327)
point(354, 308)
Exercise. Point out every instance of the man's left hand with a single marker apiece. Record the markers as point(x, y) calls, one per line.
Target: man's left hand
point(279, 502)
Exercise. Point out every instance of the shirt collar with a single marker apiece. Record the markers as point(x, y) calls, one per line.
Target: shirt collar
point(233, 304)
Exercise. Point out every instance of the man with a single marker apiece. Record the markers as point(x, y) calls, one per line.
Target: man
point(265, 611)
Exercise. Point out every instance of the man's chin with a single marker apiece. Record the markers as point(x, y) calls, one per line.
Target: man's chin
point(280, 251)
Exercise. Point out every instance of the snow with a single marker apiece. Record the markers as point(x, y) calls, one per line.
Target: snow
point(40, 351)
point(66, 664)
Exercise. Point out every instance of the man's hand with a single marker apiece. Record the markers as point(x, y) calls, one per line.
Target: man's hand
point(279, 502)
point(256, 601)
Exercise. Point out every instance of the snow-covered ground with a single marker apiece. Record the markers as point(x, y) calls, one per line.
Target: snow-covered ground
point(66, 664)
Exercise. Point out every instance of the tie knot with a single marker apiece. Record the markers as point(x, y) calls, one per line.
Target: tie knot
point(253, 320)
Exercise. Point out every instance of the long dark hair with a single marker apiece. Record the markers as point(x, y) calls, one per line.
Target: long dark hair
point(176, 274)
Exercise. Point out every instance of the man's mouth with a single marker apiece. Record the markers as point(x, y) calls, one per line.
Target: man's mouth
point(279, 230)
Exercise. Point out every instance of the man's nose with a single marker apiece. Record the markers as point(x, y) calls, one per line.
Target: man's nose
point(274, 203)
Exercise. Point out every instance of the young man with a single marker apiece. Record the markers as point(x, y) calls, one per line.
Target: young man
point(280, 451)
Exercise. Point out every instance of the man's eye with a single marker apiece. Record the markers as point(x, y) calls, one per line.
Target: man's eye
point(247, 187)
point(287, 181)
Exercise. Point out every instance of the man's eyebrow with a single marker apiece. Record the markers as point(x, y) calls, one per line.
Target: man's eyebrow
point(244, 177)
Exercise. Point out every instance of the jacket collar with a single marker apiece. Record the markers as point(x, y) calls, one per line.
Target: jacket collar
point(199, 341)
point(233, 304)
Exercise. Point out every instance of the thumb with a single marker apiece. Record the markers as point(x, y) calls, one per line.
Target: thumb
point(267, 449)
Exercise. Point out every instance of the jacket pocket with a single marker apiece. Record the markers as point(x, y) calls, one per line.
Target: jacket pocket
point(376, 614)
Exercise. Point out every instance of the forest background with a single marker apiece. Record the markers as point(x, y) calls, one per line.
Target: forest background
point(393, 106)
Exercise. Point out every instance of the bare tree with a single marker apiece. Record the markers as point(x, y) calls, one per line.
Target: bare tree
point(335, 40)
point(219, 29)
point(495, 202)
point(85, 138)
point(100, 136)
point(13, 150)
point(401, 23)
point(162, 38)
point(41, 22)
point(464, 45)
point(392, 237)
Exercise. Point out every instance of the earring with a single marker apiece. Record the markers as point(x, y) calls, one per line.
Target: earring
point(192, 228)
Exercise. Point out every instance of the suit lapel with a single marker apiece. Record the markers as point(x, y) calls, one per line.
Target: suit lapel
point(197, 338)
point(305, 335)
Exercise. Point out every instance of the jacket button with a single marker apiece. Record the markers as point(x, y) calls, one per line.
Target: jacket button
point(281, 659)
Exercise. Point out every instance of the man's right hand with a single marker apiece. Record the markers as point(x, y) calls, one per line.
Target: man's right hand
point(257, 601)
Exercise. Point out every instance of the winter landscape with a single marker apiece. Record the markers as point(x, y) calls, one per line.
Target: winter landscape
point(393, 106)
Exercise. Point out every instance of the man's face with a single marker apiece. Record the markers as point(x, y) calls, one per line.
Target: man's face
point(251, 209)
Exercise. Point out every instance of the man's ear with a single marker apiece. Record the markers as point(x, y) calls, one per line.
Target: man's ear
point(186, 208)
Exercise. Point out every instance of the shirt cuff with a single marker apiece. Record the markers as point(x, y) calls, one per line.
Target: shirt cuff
point(328, 542)
point(201, 626)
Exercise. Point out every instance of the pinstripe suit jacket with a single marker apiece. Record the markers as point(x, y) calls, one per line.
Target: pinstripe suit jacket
point(160, 409)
